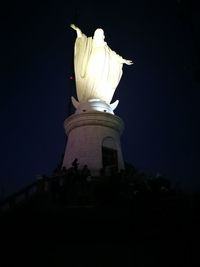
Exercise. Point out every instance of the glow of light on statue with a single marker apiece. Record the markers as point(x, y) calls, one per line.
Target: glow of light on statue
point(98, 69)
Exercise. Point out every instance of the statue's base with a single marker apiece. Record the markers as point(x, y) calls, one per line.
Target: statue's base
point(94, 139)
point(91, 105)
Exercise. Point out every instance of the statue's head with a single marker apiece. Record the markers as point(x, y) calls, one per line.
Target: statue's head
point(99, 35)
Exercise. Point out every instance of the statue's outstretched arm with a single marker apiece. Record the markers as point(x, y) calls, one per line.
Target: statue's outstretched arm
point(120, 58)
point(78, 31)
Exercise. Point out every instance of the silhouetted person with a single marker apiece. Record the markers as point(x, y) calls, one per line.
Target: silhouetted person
point(75, 164)
point(85, 172)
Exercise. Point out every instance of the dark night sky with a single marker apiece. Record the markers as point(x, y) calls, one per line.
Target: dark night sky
point(159, 94)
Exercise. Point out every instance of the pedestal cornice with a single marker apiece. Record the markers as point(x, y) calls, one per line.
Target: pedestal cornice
point(94, 118)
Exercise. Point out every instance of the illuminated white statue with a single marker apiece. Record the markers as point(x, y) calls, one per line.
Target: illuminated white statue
point(98, 69)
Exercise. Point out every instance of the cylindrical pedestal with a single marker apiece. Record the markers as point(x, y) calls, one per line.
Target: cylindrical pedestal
point(94, 139)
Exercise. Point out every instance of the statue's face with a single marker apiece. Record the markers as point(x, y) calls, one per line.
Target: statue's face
point(99, 35)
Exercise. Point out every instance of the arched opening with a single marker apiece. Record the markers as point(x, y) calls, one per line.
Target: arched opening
point(109, 156)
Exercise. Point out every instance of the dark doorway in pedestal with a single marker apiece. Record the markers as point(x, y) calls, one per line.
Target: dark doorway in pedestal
point(110, 160)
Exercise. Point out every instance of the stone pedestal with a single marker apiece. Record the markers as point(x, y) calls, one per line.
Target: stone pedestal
point(94, 139)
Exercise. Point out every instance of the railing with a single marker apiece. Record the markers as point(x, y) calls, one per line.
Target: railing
point(40, 186)
point(63, 182)
point(43, 185)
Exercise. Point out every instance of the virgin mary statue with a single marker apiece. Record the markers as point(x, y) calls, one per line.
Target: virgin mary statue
point(98, 69)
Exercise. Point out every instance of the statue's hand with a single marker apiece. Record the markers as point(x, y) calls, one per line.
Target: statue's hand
point(127, 62)
point(73, 27)
point(78, 31)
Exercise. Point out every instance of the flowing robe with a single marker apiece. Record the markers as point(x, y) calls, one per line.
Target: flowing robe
point(98, 70)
